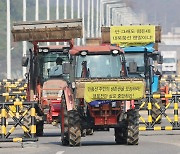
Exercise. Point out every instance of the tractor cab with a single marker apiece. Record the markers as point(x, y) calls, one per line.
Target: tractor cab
point(102, 62)
point(47, 60)
point(50, 81)
point(143, 59)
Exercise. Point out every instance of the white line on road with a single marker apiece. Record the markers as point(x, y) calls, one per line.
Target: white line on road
point(60, 152)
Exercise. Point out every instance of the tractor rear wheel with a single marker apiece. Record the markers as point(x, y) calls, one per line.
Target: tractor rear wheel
point(74, 128)
point(64, 124)
point(133, 127)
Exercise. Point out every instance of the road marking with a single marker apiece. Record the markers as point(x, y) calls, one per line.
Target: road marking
point(60, 152)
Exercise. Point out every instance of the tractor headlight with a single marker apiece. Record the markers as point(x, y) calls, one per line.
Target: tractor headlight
point(84, 53)
point(45, 50)
point(115, 52)
point(40, 50)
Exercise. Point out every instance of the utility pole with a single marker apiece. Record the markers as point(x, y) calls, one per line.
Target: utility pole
point(78, 16)
point(57, 14)
point(88, 19)
point(65, 9)
point(24, 42)
point(48, 15)
point(8, 42)
point(65, 14)
point(37, 10)
point(100, 16)
point(97, 19)
point(83, 39)
point(57, 9)
point(72, 9)
point(92, 18)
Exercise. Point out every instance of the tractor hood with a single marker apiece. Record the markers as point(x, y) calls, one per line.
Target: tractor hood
point(53, 88)
point(54, 84)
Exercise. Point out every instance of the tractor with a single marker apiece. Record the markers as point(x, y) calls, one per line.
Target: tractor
point(46, 86)
point(141, 56)
point(104, 97)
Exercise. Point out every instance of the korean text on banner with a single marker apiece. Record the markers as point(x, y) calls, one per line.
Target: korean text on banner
point(132, 35)
point(114, 91)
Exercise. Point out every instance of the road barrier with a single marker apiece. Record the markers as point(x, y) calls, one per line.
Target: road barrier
point(15, 108)
point(15, 90)
point(17, 117)
point(152, 101)
point(13, 86)
point(172, 81)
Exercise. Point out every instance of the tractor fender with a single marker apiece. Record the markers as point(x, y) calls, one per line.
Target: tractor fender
point(69, 98)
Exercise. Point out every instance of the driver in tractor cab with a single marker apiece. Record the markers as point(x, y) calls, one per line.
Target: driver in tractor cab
point(56, 71)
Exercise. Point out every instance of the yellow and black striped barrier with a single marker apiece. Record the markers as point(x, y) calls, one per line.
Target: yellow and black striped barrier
point(172, 81)
point(18, 121)
point(13, 86)
point(153, 101)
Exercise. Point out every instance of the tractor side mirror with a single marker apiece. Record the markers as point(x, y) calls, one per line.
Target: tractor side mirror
point(159, 59)
point(132, 67)
point(66, 67)
point(25, 61)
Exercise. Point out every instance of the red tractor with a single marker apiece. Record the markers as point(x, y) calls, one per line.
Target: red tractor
point(46, 81)
point(104, 97)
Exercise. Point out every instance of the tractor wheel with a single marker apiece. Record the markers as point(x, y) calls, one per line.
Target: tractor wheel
point(121, 133)
point(89, 131)
point(39, 127)
point(133, 127)
point(156, 112)
point(74, 128)
point(64, 124)
point(39, 121)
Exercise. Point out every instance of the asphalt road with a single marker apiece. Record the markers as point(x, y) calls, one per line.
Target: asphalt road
point(150, 142)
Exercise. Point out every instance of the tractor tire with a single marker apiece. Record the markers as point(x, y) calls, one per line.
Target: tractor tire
point(156, 112)
point(64, 124)
point(121, 133)
point(39, 127)
point(89, 131)
point(74, 128)
point(132, 127)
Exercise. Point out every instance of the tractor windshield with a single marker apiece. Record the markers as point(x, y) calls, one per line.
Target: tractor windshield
point(99, 66)
point(135, 57)
point(47, 61)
